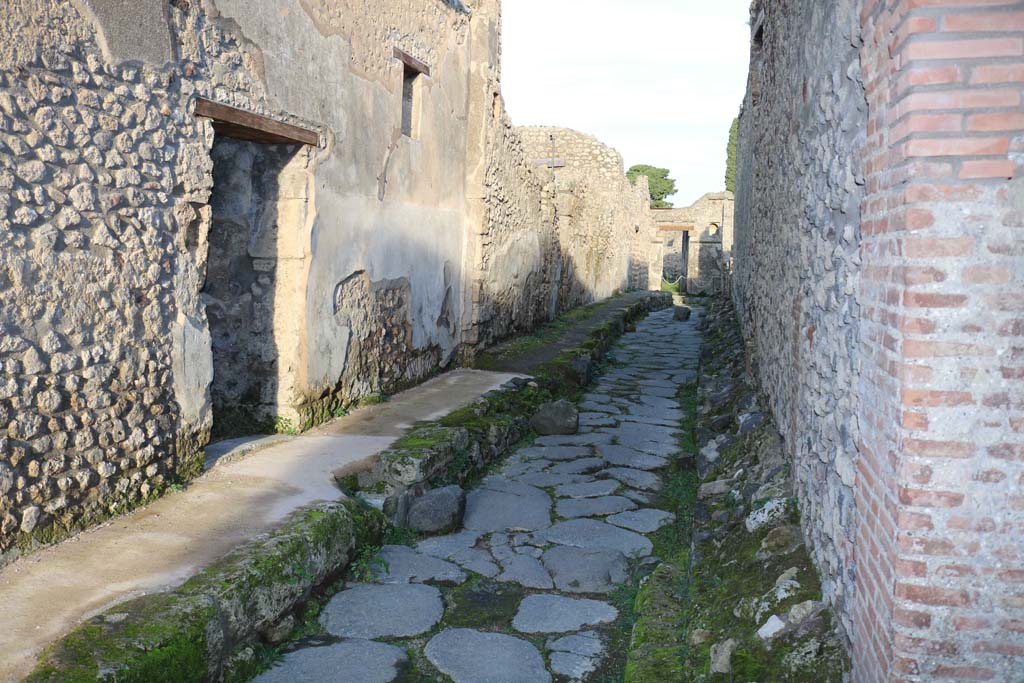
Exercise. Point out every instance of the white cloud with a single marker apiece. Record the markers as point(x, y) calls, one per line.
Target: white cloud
point(659, 80)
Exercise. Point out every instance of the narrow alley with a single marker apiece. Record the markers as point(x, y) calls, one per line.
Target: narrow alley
point(522, 592)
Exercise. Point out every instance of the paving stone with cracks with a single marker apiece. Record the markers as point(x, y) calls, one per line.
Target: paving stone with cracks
point(593, 507)
point(401, 564)
point(383, 611)
point(558, 614)
point(353, 660)
point(469, 656)
point(582, 570)
point(645, 521)
point(591, 533)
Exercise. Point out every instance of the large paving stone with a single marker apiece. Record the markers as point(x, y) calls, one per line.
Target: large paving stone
point(580, 570)
point(593, 507)
point(554, 452)
point(664, 448)
point(638, 479)
point(558, 614)
point(401, 564)
point(590, 533)
point(624, 456)
point(573, 440)
point(475, 560)
point(526, 509)
point(526, 571)
point(548, 479)
point(446, 546)
point(383, 611)
point(592, 489)
point(353, 660)
point(580, 466)
point(469, 656)
point(645, 521)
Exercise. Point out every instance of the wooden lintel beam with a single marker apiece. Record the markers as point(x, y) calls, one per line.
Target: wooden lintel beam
point(411, 62)
point(237, 123)
point(675, 228)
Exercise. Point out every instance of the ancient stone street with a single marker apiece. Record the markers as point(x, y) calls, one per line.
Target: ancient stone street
point(548, 536)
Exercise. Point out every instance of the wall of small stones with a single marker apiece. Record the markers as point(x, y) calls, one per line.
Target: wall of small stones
point(708, 260)
point(371, 267)
point(796, 261)
point(106, 179)
point(604, 223)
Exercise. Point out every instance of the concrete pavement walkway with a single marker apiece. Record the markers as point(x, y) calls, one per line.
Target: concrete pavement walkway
point(158, 547)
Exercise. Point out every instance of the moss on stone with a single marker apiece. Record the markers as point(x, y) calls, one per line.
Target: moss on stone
point(482, 604)
point(181, 636)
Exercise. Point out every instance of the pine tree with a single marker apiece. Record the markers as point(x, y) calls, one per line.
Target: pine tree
point(730, 159)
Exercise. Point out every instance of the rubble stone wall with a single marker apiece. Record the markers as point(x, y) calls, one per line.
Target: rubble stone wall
point(796, 261)
point(106, 221)
point(153, 270)
point(708, 226)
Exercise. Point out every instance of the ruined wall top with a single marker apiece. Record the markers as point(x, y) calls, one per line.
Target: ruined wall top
point(578, 151)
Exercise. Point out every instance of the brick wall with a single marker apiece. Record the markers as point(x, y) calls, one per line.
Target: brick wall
point(939, 495)
point(927, 569)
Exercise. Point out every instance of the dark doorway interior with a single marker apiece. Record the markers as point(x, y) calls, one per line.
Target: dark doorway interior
point(242, 282)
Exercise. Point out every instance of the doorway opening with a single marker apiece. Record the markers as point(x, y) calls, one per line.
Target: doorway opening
point(254, 289)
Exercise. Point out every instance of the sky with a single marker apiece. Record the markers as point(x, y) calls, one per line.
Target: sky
point(658, 80)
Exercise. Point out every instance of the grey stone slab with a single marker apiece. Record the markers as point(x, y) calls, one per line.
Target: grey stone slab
point(638, 479)
point(663, 392)
point(352, 660)
point(476, 560)
point(551, 479)
point(591, 489)
point(593, 507)
point(558, 614)
point(582, 570)
point(491, 510)
point(469, 656)
point(597, 420)
point(643, 521)
point(585, 643)
point(555, 452)
point(640, 419)
point(624, 456)
point(658, 401)
point(572, 666)
point(591, 533)
point(402, 564)
point(573, 440)
point(581, 466)
point(606, 408)
point(526, 571)
point(383, 611)
point(447, 546)
point(663, 448)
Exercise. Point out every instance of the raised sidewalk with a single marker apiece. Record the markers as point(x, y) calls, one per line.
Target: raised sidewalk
point(158, 547)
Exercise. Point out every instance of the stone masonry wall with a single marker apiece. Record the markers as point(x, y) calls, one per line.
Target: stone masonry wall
point(878, 255)
point(600, 215)
point(543, 240)
point(708, 240)
point(105, 220)
point(139, 286)
point(796, 264)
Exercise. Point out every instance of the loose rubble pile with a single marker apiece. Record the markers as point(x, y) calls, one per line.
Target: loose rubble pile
point(521, 593)
point(754, 610)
